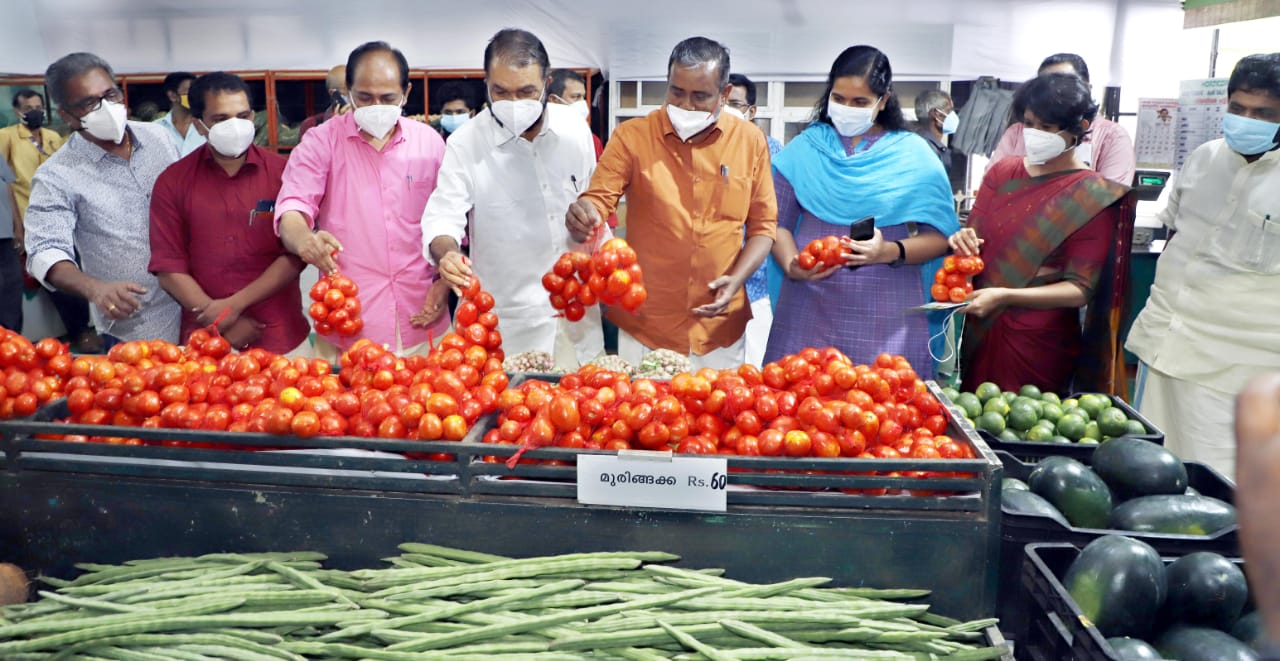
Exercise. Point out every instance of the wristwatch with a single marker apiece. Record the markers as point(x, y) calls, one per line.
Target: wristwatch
point(902, 255)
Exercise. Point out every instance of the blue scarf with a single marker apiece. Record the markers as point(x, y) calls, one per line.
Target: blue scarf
point(898, 179)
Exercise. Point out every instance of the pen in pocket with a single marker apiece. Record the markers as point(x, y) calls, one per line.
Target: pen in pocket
point(724, 173)
point(573, 179)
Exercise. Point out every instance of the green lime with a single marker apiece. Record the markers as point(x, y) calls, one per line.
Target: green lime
point(1008, 397)
point(1094, 405)
point(951, 394)
point(1088, 441)
point(987, 391)
point(1135, 428)
point(991, 422)
point(1072, 426)
point(1070, 403)
point(1022, 416)
point(1031, 391)
point(1050, 411)
point(970, 404)
point(996, 405)
point(1060, 439)
point(1113, 422)
point(1047, 424)
point(1009, 436)
point(1038, 434)
point(1091, 430)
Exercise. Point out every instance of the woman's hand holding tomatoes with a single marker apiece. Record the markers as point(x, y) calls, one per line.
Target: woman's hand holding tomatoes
point(966, 242)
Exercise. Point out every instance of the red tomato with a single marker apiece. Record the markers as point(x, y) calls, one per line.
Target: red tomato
point(797, 443)
point(454, 428)
point(345, 285)
point(318, 290)
point(957, 294)
point(635, 296)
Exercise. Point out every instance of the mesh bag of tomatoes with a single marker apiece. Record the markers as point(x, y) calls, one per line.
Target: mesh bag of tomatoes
point(33, 373)
point(610, 275)
point(336, 307)
point(826, 251)
point(954, 281)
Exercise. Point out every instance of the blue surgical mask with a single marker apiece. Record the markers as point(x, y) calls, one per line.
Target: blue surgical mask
point(1249, 136)
point(452, 123)
point(950, 123)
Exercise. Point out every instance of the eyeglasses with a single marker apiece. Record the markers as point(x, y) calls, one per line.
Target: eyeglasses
point(92, 103)
point(739, 105)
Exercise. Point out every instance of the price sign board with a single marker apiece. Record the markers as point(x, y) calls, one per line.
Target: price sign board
point(635, 478)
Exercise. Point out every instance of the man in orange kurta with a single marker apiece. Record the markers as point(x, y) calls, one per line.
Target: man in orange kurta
point(696, 179)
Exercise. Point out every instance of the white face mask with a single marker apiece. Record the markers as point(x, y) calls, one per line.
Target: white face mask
point(516, 116)
point(1042, 146)
point(580, 106)
point(689, 123)
point(850, 121)
point(107, 122)
point(950, 123)
point(735, 112)
point(231, 137)
point(377, 120)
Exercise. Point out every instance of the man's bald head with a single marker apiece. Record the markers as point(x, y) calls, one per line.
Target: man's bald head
point(337, 79)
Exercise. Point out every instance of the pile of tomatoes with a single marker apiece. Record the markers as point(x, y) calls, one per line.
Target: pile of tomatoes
point(205, 386)
point(815, 403)
point(610, 275)
point(826, 251)
point(32, 373)
point(337, 307)
point(954, 281)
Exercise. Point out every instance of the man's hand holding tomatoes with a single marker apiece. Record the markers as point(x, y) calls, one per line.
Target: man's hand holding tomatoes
point(455, 269)
point(581, 220)
point(966, 242)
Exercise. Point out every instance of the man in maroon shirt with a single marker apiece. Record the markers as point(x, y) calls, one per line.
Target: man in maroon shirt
point(213, 246)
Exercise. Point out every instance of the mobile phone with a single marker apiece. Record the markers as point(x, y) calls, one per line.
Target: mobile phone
point(862, 229)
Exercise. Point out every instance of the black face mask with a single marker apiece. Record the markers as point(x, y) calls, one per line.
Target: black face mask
point(33, 118)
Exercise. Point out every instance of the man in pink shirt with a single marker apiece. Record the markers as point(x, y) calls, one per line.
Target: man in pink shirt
point(358, 184)
point(1107, 149)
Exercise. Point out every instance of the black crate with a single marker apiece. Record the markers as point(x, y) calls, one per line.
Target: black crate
point(1017, 530)
point(1083, 452)
point(67, 512)
point(1057, 628)
point(242, 457)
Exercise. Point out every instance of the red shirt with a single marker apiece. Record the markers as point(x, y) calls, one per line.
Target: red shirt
point(201, 226)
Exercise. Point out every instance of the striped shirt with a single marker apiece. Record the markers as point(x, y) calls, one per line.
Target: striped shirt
point(85, 201)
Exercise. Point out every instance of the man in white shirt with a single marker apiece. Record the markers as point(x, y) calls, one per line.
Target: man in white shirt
point(511, 171)
point(1212, 320)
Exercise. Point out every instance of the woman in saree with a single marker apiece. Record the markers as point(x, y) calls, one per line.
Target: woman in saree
point(855, 160)
point(1044, 224)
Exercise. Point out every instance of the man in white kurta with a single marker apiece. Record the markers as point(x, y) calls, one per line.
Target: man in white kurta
point(1213, 319)
point(512, 171)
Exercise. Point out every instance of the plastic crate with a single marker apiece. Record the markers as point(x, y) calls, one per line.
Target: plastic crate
point(1083, 452)
point(1057, 628)
point(1017, 530)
